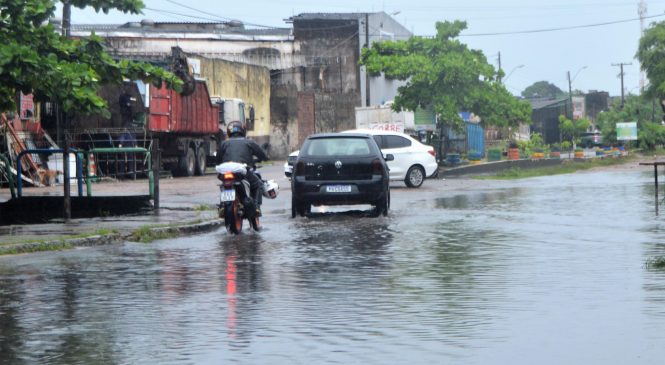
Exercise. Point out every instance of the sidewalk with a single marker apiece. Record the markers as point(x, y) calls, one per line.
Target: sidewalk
point(187, 203)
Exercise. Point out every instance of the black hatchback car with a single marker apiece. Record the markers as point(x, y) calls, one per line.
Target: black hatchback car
point(340, 169)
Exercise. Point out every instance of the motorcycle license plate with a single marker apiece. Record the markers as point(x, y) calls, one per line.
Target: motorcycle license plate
point(227, 195)
point(338, 188)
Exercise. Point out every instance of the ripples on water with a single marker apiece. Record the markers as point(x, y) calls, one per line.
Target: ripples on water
point(548, 271)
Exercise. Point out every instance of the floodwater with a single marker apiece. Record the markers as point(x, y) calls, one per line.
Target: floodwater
point(541, 271)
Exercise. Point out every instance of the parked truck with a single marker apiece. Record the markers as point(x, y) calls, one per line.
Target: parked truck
point(189, 125)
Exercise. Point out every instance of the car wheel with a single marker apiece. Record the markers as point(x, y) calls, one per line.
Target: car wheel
point(415, 177)
point(294, 206)
point(304, 209)
point(382, 205)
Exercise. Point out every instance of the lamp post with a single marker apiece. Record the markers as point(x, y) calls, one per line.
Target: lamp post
point(511, 72)
point(570, 89)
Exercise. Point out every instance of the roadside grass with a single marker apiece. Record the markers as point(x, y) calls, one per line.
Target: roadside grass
point(148, 234)
point(656, 263)
point(566, 167)
point(144, 234)
point(99, 232)
point(204, 207)
point(28, 245)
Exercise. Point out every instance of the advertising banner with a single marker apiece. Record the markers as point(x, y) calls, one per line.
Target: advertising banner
point(627, 131)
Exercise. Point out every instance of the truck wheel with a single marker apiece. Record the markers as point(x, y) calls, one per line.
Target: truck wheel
point(187, 163)
point(201, 161)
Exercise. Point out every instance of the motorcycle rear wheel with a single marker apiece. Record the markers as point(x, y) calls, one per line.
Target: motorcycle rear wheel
point(232, 219)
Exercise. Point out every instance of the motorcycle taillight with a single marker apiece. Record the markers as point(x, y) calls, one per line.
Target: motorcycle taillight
point(227, 179)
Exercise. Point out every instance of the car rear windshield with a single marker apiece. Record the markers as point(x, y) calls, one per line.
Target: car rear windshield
point(348, 146)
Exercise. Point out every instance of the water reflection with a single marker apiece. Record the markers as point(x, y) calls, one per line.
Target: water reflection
point(484, 200)
point(495, 276)
point(243, 281)
point(11, 334)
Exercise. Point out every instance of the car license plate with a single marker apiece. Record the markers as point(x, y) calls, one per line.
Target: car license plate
point(338, 188)
point(227, 195)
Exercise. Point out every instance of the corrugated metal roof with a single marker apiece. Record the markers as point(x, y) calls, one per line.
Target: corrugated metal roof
point(169, 27)
point(544, 103)
point(330, 16)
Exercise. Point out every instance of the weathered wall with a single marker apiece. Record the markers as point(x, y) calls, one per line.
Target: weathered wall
point(284, 120)
point(236, 80)
point(335, 112)
point(306, 116)
point(331, 49)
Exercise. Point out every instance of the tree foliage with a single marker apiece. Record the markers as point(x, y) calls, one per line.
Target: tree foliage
point(35, 58)
point(571, 130)
point(641, 109)
point(651, 54)
point(445, 74)
point(542, 89)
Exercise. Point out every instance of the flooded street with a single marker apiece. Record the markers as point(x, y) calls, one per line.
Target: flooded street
point(547, 270)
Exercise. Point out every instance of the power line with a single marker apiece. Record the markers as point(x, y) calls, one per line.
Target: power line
point(215, 15)
point(560, 28)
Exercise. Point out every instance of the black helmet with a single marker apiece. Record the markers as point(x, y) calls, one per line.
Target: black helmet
point(235, 127)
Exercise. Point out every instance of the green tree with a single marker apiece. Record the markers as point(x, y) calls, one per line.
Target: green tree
point(651, 54)
point(35, 59)
point(637, 108)
point(542, 89)
point(445, 74)
point(571, 130)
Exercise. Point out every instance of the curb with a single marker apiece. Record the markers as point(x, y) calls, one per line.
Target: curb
point(100, 240)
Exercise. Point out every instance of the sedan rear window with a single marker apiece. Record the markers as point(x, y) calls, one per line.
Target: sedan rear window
point(337, 147)
point(395, 142)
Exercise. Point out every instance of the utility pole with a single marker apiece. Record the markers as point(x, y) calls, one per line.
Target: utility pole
point(621, 74)
point(642, 12)
point(570, 95)
point(66, 19)
point(367, 89)
point(67, 204)
point(499, 58)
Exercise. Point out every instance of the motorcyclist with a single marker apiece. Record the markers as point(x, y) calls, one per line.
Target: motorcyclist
point(237, 148)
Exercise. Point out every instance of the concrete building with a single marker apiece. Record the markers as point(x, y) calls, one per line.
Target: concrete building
point(300, 80)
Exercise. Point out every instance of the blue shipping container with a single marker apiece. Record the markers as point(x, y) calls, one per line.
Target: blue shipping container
point(471, 140)
point(475, 138)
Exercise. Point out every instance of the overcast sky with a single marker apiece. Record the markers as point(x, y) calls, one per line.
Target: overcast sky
point(545, 55)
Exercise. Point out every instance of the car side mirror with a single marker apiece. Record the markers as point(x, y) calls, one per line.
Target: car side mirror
point(389, 157)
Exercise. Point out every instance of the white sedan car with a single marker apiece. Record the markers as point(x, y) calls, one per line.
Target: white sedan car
point(413, 161)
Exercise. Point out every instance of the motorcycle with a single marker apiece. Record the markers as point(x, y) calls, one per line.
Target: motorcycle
point(235, 200)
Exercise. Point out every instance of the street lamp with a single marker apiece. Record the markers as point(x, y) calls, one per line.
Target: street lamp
point(511, 72)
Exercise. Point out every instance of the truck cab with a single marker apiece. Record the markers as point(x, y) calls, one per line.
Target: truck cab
point(230, 109)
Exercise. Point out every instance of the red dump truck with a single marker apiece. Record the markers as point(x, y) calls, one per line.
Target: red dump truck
point(189, 128)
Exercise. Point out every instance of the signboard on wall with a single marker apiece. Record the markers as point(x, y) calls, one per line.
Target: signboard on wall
point(27, 106)
point(578, 107)
point(627, 131)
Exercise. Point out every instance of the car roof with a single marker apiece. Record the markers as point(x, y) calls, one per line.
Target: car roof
point(338, 135)
point(376, 132)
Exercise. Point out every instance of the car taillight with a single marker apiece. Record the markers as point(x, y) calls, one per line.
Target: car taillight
point(299, 168)
point(377, 167)
point(432, 152)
